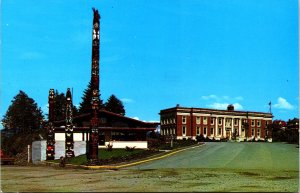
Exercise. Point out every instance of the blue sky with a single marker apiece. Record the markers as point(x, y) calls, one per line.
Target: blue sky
point(155, 54)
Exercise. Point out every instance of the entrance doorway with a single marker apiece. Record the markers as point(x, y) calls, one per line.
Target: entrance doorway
point(228, 133)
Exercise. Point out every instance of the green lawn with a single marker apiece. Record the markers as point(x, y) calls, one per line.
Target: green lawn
point(234, 155)
point(104, 155)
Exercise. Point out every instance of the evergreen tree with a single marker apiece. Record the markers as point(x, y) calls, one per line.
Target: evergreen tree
point(23, 115)
point(115, 105)
point(60, 106)
point(85, 105)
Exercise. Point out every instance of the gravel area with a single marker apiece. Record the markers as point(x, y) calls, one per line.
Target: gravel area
point(153, 177)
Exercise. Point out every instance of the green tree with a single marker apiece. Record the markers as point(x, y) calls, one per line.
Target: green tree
point(23, 115)
point(115, 105)
point(85, 105)
point(60, 106)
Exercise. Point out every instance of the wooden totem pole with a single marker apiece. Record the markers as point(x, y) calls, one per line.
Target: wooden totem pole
point(50, 151)
point(69, 143)
point(93, 133)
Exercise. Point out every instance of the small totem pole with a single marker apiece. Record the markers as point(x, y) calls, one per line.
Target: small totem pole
point(93, 133)
point(50, 151)
point(69, 144)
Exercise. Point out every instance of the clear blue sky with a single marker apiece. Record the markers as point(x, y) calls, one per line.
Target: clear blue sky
point(155, 54)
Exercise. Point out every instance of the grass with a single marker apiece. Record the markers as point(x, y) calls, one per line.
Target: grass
point(106, 156)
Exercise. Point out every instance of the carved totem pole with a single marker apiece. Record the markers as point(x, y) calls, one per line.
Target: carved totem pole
point(69, 143)
point(93, 133)
point(50, 151)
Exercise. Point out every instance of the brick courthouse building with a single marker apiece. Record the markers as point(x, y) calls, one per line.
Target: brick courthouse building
point(183, 122)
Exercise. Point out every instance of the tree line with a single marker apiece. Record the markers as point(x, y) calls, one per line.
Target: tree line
point(24, 121)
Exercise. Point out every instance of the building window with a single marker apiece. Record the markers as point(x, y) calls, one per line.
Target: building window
point(198, 130)
point(184, 119)
point(212, 120)
point(220, 131)
point(204, 120)
point(236, 122)
point(198, 120)
point(205, 131)
point(252, 133)
point(220, 121)
point(228, 122)
point(258, 123)
point(252, 122)
point(183, 130)
point(211, 131)
point(258, 132)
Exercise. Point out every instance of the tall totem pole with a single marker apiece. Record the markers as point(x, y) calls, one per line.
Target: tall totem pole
point(50, 151)
point(69, 143)
point(94, 138)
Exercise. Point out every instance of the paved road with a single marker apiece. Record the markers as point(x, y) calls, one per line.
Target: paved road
point(264, 156)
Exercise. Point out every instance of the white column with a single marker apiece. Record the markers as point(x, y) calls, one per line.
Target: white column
point(232, 125)
point(240, 127)
point(216, 126)
point(224, 130)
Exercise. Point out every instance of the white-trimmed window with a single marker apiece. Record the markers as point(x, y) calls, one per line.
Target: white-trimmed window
point(252, 122)
point(236, 121)
point(219, 131)
point(252, 132)
point(212, 120)
point(205, 131)
point(258, 132)
point(198, 120)
point(258, 123)
point(198, 130)
point(220, 121)
point(183, 130)
point(205, 120)
point(211, 131)
point(183, 119)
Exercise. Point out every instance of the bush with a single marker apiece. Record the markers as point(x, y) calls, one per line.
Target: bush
point(130, 148)
point(200, 138)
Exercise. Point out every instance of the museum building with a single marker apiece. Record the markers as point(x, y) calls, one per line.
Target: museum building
point(183, 122)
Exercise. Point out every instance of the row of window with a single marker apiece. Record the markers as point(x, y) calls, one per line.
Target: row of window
point(168, 121)
point(228, 121)
point(208, 132)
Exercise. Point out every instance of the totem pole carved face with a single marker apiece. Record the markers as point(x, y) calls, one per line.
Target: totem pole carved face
point(96, 25)
point(51, 93)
